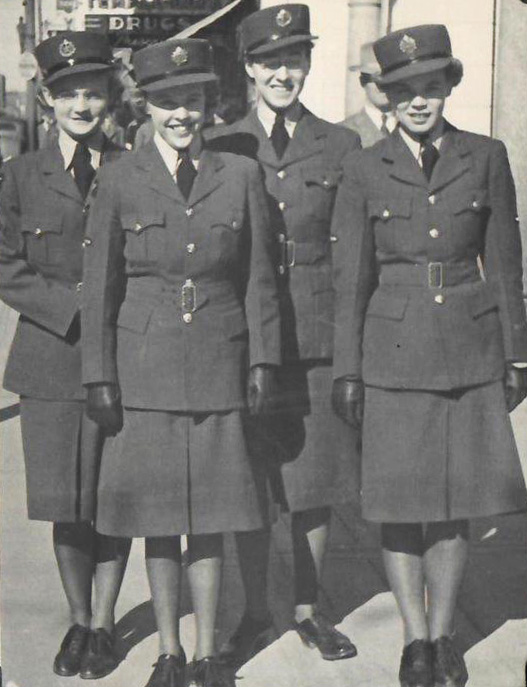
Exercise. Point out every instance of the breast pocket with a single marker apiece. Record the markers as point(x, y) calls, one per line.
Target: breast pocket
point(145, 236)
point(42, 237)
point(226, 231)
point(470, 208)
point(390, 220)
point(320, 187)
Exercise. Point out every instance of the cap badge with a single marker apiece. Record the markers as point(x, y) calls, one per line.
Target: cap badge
point(284, 18)
point(408, 45)
point(180, 56)
point(67, 48)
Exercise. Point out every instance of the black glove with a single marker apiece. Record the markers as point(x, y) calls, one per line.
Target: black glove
point(261, 388)
point(515, 386)
point(347, 399)
point(103, 406)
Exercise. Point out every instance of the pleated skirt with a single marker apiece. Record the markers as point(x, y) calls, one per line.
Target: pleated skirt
point(62, 448)
point(436, 456)
point(169, 473)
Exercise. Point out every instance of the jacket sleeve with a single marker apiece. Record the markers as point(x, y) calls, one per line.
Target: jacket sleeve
point(46, 302)
point(104, 283)
point(502, 259)
point(261, 296)
point(354, 272)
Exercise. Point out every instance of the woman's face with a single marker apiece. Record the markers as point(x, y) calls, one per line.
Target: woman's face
point(80, 103)
point(279, 76)
point(178, 113)
point(418, 101)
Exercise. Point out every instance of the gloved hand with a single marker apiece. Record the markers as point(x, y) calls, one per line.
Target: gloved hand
point(261, 389)
point(347, 399)
point(103, 406)
point(515, 386)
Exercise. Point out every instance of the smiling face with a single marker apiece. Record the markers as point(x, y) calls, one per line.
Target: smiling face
point(178, 113)
point(80, 102)
point(418, 101)
point(279, 76)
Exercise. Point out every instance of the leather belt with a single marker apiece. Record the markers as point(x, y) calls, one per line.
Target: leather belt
point(299, 252)
point(434, 275)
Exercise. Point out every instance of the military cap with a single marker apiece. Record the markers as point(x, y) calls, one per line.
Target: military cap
point(274, 28)
point(73, 52)
point(368, 61)
point(173, 63)
point(412, 51)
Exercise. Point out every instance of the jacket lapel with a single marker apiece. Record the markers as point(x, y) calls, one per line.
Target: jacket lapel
point(266, 152)
point(51, 168)
point(156, 174)
point(454, 160)
point(403, 165)
point(208, 178)
point(308, 140)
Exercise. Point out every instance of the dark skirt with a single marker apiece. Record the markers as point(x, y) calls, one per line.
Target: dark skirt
point(61, 451)
point(169, 473)
point(435, 456)
point(311, 455)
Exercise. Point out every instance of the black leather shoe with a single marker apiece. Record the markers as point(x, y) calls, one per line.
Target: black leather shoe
point(416, 665)
point(99, 658)
point(210, 672)
point(68, 661)
point(449, 665)
point(248, 638)
point(169, 671)
point(320, 633)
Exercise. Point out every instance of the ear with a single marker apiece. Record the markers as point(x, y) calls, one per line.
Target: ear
point(47, 97)
point(249, 70)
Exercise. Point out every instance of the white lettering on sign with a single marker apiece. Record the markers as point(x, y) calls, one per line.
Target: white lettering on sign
point(116, 23)
point(133, 23)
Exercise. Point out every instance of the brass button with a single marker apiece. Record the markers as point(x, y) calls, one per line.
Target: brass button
point(325, 183)
point(87, 242)
point(138, 226)
point(187, 318)
point(79, 286)
point(281, 174)
point(434, 233)
point(386, 213)
point(281, 269)
point(189, 212)
point(440, 299)
point(475, 204)
point(282, 205)
point(432, 199)
point(281, 238)
point(191, 248)
point(235, 224)
point(38, 231)
point(333, 239)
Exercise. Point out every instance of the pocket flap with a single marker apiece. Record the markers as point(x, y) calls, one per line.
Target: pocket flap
point(481, 302)
point(387, 305)
point(474, 201)
point(135, 316)
point(38, 226)
point(386, 208)
point(138, 222)
point(234, 221)
point(326, 178)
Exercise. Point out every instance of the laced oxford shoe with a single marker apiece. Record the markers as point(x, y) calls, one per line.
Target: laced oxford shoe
point(449, 666)
point(210, 672)
point(99, 658)
point(246, 640)
point(416, 665)
point(317, 632)
point(169, 671)
point(68, 660)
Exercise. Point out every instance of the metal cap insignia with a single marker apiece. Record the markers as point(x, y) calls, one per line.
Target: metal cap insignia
point(67, 48)
point(284, 18)
point(408, 45)
point(180, 56)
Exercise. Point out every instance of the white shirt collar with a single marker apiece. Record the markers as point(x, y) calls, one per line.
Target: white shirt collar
point(415, 146)
point(67, 147)
point(267, 117)
point(376, 117)
point(170, 156)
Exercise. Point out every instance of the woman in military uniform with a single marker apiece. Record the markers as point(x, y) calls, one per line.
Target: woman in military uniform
point(426, 341)
point(179, 300)
point(309, 453)
point(43, 214)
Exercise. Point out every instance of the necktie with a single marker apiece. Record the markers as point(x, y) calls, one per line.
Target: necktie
point(429, 157)
point(279, 135)
point(185, 173)
point(384, 128)
point(83, 171)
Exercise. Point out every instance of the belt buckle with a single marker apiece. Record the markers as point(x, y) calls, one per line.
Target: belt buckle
point(188, 297)
point(435, 275)
point(290, 253)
